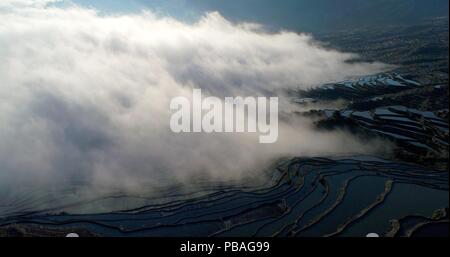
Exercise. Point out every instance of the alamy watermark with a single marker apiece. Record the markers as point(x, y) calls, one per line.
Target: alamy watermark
point(231, 115)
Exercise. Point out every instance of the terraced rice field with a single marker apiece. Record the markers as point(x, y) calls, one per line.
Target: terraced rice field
point(301, 197)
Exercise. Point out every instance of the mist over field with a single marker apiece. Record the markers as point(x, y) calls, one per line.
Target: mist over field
point(85, 96)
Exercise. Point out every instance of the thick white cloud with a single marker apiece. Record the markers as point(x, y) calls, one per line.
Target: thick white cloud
point(85, 97)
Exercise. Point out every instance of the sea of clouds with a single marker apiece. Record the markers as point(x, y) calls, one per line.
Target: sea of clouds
point(85, 96)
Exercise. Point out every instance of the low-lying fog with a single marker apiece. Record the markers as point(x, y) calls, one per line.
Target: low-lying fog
point(85, 97)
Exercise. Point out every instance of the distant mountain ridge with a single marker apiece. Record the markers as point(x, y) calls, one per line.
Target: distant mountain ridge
point(297, 15)
point(327, 14)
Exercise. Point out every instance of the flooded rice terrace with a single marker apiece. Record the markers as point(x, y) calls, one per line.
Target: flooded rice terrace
point(301, 197)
